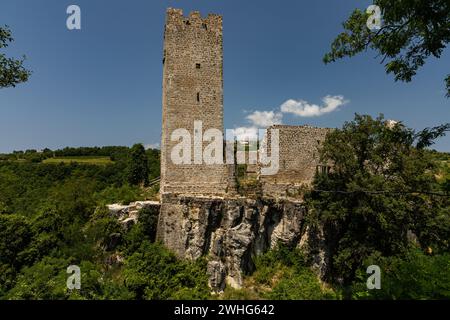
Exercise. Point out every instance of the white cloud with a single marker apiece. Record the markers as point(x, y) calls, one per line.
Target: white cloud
point(258, 120)
point(263, 119)
point(245, 133)
point(151, 146)
point(302, 108)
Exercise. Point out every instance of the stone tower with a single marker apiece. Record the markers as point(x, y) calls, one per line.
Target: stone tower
point(192, 91)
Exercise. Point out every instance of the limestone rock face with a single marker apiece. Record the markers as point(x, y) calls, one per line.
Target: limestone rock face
point(128, 214)
point(230, 232)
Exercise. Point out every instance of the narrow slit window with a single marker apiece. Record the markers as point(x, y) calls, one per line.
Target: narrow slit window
point(204, 25)
point(197, 65)
point(198, 96)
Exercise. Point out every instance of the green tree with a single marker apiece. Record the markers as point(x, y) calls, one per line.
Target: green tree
point(154, 163)
point(148, 218)
point(12, 71)
point(298, 285)
point(153, 272)
point(379, 191)
point(104, 230)
point(138, 170)
point(15, 235)
point(412, 275)
point(411, 32)
point(44, 280)
point(286, 270)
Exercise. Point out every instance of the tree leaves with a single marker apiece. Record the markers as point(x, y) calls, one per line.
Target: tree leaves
point(378, 191)
point(12, 71)
point(412, 31)
point(427, 136)
point(138, 169)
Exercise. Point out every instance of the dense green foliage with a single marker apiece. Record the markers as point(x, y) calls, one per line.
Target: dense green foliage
point(53, 216)
point(12, 71)
point(152, 272)
point(413, 275)
point(411, 32)
point(296, 281)
point(138, 166)
point(381, 195)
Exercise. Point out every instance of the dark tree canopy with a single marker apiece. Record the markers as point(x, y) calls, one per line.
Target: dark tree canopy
point(138, 167)
point(411, 32)
point(12, 71)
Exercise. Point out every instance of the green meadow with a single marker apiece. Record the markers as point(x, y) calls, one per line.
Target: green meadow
point(94, 160)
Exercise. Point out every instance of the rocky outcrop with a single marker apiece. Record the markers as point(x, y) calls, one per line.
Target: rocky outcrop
point(128, 214)
point(231, 232)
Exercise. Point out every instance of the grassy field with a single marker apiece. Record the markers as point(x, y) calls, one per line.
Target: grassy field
point(95, 160)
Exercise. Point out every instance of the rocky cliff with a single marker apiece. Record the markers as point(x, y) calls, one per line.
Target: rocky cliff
point(128, 215)
point(231, 232)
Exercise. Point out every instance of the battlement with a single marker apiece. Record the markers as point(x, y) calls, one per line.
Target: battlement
point(176, 20)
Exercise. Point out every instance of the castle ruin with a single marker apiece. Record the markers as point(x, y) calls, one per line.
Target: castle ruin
point(200, 212)
point(193, 91)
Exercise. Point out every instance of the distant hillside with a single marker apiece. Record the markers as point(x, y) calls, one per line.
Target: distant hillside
point(107, 155)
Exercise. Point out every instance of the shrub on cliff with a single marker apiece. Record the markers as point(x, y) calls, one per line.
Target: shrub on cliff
point(153, 272)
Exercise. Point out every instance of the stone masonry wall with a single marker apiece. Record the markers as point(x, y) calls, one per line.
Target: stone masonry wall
point(192, 91)
point(299, 153)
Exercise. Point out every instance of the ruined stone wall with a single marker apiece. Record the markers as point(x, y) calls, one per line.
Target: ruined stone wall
point(299, 158)
point(192, 91)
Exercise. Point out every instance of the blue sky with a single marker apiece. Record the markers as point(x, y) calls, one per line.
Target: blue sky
point(102, 85)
